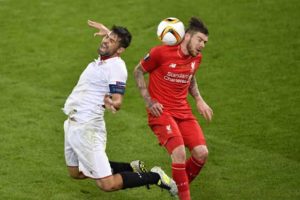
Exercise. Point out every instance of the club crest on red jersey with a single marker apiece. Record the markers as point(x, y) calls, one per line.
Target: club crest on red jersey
point(193, 66)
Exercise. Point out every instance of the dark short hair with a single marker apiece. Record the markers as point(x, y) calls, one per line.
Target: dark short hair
point(123, 34)
point(196, 25)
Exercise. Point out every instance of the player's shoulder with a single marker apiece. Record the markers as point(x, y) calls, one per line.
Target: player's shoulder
point(116, 61)
point(117, 65)
point(162, 50)
point(122, 65)
point(120, 61)
point(165, 47)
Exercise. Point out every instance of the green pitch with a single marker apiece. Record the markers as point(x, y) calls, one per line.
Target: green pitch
point(249, 76)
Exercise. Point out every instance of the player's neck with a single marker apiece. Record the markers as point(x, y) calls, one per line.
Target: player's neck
point(108, 57)
point(183, 49)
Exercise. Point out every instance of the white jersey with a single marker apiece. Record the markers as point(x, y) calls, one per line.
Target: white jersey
point(86, 100)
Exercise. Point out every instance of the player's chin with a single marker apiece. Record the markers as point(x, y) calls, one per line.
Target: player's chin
point(102, 49)
point(198, 51)
point(103, 53)
point(100, 52)
point(195, 53)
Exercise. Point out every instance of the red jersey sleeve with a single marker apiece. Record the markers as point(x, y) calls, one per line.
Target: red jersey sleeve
point(151, 60)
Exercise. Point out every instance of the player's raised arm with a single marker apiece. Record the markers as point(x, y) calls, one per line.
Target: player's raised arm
point(202, 106)
point(155, 107)
point(103, 30)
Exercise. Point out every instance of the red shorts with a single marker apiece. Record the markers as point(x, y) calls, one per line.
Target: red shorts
point(182, 131)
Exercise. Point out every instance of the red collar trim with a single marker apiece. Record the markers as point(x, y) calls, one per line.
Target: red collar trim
point(104, 57)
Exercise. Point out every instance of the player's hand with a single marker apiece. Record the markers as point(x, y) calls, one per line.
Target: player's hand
point(155, 108)
point(103, 30)
point(204, 110)
point(109, 104)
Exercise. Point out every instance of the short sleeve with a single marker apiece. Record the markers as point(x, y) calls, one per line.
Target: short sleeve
point(117, 78)
point(151, 60)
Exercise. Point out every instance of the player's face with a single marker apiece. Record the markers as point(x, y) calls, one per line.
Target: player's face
point(109, 45)
point(196, 43)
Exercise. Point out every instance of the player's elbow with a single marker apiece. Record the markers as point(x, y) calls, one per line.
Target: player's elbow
point(137, 68)
point(135, 72)
point(138, 71)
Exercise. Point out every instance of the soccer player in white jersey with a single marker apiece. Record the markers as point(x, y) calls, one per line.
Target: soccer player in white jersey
point(101, 86)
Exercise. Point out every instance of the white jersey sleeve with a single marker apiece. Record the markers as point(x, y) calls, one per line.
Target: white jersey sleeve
point(117, 78)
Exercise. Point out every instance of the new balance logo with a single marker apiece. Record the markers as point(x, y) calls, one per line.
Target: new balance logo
point(172, 65)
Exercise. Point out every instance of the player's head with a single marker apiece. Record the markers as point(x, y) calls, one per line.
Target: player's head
point(196, 36)
point(115, 42)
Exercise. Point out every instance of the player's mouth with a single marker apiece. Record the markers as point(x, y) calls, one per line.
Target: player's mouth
point(103, 47)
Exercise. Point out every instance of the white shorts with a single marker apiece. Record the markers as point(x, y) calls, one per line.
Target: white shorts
point(85, 147)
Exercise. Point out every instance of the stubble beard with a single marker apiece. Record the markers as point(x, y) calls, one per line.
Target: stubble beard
point(190, 50)
point(101, 53)
point(106, 53)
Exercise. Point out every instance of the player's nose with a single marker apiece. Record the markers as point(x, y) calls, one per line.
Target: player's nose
point(202, 44)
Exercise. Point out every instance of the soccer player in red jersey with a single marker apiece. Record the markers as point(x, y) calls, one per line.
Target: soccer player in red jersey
point(171, 78)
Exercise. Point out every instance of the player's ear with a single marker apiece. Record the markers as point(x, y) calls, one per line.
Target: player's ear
point(120, 50)
point(187, 36)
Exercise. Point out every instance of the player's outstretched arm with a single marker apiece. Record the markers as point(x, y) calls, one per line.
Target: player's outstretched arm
point(202, 106)
point(154, 107)
point(103, 30)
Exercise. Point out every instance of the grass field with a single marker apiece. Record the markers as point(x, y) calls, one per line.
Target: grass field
point(250, 76)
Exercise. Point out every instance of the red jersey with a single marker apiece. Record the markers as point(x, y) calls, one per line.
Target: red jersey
point(170, 73)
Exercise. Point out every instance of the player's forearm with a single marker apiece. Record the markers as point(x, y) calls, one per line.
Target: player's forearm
point(194, 90)
point(141, 84)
